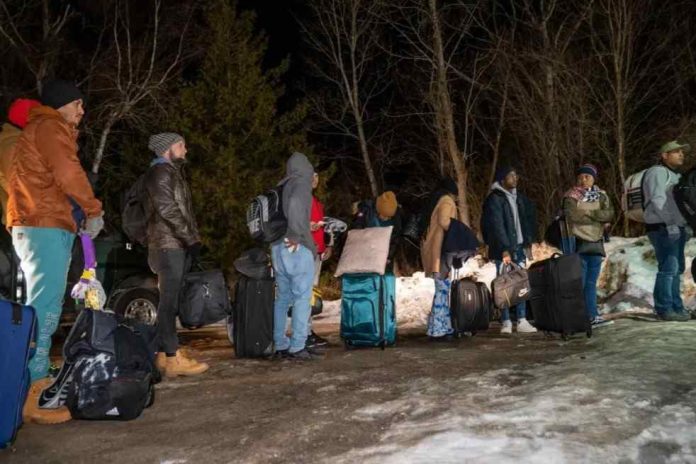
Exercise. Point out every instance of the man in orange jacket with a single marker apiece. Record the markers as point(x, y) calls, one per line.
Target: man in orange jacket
point(45, 178)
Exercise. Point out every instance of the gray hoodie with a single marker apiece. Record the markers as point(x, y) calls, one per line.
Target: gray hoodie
point(297, 200)
point(660, 207)
point(512, 199)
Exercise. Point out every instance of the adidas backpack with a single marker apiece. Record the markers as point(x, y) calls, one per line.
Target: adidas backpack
point(134, 216)
point(265, 217)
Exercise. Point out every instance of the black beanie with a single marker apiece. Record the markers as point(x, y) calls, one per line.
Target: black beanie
point(57, 93)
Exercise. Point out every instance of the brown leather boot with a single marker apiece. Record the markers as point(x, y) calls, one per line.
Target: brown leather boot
point(32, 413)
point(182, 365)
point(161, 362)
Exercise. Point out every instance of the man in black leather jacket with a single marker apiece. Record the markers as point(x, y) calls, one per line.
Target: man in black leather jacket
point(173, 242)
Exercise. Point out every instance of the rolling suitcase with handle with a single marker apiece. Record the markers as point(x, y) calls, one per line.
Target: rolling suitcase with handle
point(17, 335)
point(253, 317)
point(368, 310)
point(470, 306)
point(557, 298)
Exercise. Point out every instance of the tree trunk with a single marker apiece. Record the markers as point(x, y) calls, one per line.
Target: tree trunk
point(443, 106)
point(99, 154)
point(374, 187)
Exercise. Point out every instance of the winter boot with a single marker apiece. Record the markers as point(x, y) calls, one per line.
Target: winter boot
point(506, 329)
point(32, 413)
point(182, 365)
point(523, 326)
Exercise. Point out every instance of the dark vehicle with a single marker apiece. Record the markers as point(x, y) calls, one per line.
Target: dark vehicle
point(122, 268)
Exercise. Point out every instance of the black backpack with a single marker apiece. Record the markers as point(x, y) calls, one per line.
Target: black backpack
point(134, 216)
point(266, 220)
point(685, 197)
point(113, 373)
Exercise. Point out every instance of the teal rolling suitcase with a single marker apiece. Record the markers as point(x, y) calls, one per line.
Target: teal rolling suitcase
point(368, 310)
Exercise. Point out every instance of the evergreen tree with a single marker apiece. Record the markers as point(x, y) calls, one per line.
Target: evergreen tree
point(238, 142)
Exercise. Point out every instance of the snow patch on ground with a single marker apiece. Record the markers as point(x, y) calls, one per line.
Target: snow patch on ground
point(586, 408)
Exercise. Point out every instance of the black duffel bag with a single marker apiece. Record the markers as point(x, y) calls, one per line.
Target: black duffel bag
point(112, 366)
point(204, 299)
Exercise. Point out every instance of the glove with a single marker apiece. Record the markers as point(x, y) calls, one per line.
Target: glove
point(94, 225)
point(673, 232)
point(194, 250)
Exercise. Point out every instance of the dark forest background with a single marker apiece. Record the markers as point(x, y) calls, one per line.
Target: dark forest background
point(381, 94)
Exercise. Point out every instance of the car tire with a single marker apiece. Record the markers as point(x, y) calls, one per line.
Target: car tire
point(139, 304)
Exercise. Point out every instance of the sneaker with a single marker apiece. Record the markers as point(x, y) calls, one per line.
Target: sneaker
point(304, 355)
point(523, 326)
point(280, 354)
point(315, 340)
point(32, 413)
point(442, 338)
point(182, 365)
point(506, 329)
point(679, 316)
point(55, 394)
point(599, 321)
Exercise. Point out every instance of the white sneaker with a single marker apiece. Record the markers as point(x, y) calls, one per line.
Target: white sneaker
point(506, 328)
point(523, 326)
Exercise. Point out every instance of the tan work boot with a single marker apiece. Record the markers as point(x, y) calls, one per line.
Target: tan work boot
point(32, 413)
point(182, 365)
point(161, 362)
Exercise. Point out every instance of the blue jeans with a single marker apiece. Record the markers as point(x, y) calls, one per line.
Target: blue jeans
point(44, 255)
point(670, 267)
point(294, 275)
point(591, 266)
point(519, 258)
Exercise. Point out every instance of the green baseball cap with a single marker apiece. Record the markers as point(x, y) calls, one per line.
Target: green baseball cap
point(674, 145)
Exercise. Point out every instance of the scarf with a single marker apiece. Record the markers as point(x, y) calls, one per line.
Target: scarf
point(590, 195)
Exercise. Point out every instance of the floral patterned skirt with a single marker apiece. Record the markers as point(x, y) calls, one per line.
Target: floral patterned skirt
point(439, 322)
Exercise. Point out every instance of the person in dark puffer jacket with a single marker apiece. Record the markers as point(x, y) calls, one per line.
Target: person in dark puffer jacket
point(173, 243)
point(508, 224)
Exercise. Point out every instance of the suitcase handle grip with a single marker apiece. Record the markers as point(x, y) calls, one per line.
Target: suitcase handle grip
point(16, 314)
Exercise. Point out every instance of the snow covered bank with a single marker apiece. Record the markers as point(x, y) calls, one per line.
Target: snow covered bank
point(625, 285)
point(629, 398)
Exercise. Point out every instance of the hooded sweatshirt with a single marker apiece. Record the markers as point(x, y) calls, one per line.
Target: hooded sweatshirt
point(660, 207)
point(512, 199)
point(297, 200)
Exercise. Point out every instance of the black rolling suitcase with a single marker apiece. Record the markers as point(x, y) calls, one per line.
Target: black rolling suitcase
point(557, 298)
point(253, 317)
point(470, 306)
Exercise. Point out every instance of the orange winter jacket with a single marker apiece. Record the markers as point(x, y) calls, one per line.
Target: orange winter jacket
point(44, 172)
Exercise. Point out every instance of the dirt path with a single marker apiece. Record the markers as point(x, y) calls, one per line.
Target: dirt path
point(348, 407)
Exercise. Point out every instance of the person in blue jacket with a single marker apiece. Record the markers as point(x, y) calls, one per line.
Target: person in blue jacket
point(508, 224)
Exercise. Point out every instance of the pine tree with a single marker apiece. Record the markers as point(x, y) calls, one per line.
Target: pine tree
point(238, 142)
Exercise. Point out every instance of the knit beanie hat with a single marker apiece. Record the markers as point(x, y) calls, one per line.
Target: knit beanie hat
point(160, 143)
point(502, 172)
point(59, 93)
point(18, 114)
point(386, 204)
point(587, 168)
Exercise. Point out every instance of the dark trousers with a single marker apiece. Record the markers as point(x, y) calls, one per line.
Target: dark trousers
point(170, 265)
